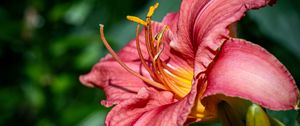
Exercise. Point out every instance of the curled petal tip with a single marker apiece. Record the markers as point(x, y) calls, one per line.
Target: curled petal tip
point(84, 80)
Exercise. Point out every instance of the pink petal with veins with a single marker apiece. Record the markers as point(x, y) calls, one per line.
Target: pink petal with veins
point(152, 108)
point(126, 113)
point(248, 71)
point(116, 82)
point(202, 25)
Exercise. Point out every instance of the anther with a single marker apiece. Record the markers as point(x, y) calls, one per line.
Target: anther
point(137, 20)
point(151, 10)
point(159, 36)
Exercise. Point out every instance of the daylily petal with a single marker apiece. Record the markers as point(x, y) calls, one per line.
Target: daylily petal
point(117, 83)
point(127, 112)
point(248, 71)
point(152, 108)
point(202, 25)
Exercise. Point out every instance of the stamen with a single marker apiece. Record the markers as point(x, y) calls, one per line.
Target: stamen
point(159, 36)
point(137, 20)
point(148, 44)
point(158, 54)
point(149, 27)
point(116, 57)
point(152, 9)
point(140, 52)
point(157, 68)
point(149, 39)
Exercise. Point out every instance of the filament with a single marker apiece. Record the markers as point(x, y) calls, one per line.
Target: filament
point(116, 57)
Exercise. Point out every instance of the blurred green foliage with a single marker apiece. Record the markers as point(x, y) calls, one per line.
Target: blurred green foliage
point(45, 46)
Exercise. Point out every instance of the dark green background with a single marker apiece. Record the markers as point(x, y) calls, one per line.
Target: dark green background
point(46, 45)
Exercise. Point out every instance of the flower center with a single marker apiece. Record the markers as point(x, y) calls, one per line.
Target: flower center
point(163, 75)
point(175, 80)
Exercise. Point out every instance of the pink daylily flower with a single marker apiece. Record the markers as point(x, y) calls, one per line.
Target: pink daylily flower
point(165, 76)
